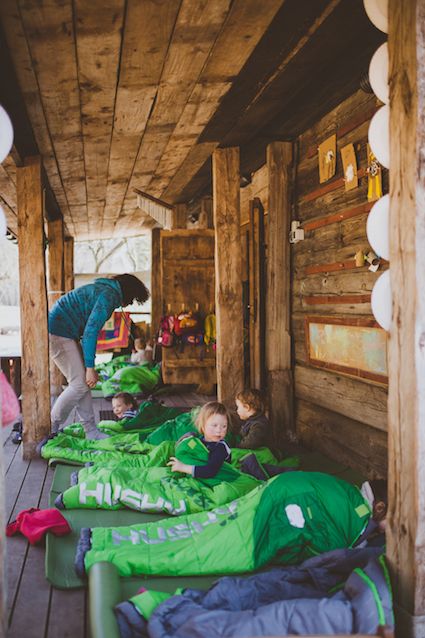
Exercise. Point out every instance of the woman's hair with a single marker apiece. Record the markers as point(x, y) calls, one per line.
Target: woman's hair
point(127, 398)
point(207, 410)
point(252, 398)
point(132, 289)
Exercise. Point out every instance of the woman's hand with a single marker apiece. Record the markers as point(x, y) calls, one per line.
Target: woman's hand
point(91, 377)
point(178, 466)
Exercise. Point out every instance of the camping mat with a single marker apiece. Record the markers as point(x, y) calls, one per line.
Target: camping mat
point(107, 589)
point(60, 550)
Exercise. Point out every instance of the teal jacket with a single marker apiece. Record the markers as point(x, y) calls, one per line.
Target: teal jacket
point(81, 314)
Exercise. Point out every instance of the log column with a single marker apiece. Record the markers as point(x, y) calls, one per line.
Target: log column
point(156, 293)
point(280, 385)
point(56, 288)
point(406, 400)
point(68, 263)
point(33, 300)
point(228, 274)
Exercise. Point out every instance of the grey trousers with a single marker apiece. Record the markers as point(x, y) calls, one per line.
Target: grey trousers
point(67, 355)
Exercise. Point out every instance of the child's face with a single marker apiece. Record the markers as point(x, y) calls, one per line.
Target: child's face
point(215, 428)
point(243, 410)
point(119, 406)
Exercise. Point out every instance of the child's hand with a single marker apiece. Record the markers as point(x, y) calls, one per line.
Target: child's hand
point(178, 466)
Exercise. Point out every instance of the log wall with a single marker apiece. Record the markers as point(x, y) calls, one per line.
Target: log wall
point(340, 415)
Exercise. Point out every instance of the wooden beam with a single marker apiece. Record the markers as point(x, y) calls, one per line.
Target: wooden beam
point(228, 274)
point(179, 216)
point(280, 383)
point(257, 293)
point(68, 263)
point(156, 278)
point(406, 400)
point(34, 332)
point(55, 285)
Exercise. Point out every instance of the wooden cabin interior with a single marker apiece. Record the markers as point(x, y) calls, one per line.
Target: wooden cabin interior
point(202, 123)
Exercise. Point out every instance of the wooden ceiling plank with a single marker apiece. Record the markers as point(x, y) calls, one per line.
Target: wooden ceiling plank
point(19, 51)
point(49, 32)
point(98, 41)
point(196, 29)
point(148, 29)
point(245, 26)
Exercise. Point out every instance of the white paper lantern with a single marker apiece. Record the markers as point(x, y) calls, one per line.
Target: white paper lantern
point(377, 12)
point(6, 134)
point(3, 224)
point(379, 135)
point(382, 300)
point(378, 73)
point(377, 227)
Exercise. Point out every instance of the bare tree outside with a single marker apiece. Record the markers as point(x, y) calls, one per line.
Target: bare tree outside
point(113, 255)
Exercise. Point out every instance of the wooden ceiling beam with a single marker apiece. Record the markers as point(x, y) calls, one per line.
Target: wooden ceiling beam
point(24, 143)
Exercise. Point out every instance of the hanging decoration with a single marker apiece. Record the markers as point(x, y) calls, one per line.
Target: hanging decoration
point(377, 12)
point(374, 176)
point(349, 163)
point(382, 300)
point(378, 73)
point(6, 134)
point(377, 227)
point(327, 159)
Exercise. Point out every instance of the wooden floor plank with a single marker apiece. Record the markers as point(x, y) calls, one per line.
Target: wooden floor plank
point(14, 480)
point(67, 617)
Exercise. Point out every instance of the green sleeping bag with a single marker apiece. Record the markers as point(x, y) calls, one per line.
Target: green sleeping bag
point(157, 489)
point(285, 520)
point(133, 379)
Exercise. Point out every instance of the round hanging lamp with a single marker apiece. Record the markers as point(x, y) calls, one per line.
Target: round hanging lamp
point(378, 73)
point(377, 227)
point(6, 134)
point(379, 135)
point(377, 12)
point(381, 300)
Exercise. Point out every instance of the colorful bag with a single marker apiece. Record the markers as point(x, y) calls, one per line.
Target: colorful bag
point(9, 402)
point(166, 331)
point(210, 329)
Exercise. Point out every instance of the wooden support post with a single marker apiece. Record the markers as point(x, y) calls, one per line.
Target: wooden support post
point(406, 351)
point(228, 274)
point(68, 263)
point(55, 270)
point(280, 385)
point(257, 293)
point(156, 290)
point(34, 332)
point(179, 216)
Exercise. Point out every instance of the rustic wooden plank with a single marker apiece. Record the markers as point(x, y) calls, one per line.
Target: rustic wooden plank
point(98, 42)
point(156, 293)
point(351, 442)
point(55, 266)
point(245, 24)
point(21, 54)
point(228, 274)
point(34, 332)
point(406, 412)
point(278, 328)
point(148, 29)
point(337, 217)
point(257, 297)
point(352, 398)
point(331, 299)
point(68, 263)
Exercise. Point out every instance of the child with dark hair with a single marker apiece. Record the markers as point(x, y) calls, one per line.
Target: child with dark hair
point(80, 315)
point(124, 405)
point(255, 430)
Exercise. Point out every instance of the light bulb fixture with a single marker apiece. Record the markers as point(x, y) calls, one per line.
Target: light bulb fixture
point(6, 134)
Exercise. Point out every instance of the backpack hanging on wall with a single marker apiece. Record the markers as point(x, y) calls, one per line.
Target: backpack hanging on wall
point(166, 331)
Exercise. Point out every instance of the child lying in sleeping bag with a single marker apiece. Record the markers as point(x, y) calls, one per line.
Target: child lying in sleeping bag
point(158, 489)
point(285, 520)
point(345, 591)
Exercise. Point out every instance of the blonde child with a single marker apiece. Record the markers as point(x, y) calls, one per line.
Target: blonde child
point(255, 430)
point(124, 406)
point(212, 422)
point(142, 352)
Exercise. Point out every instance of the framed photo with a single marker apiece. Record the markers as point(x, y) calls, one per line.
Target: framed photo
point(350, 345)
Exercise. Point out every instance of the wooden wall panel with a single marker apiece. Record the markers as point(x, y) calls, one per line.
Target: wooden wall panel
point(337, 414)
